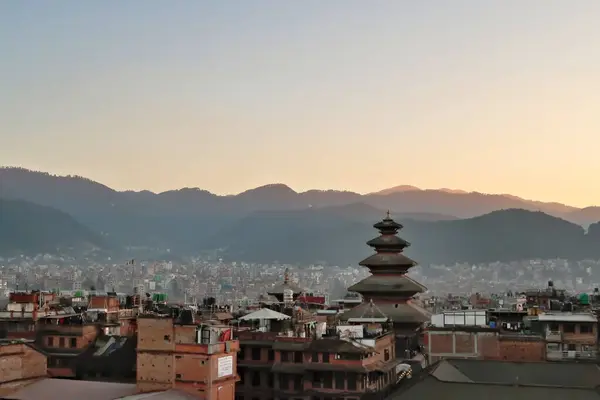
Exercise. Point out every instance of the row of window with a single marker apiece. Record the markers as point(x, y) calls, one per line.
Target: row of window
point(62, 342)
point(299, 357)
point(291, 356)
point(571, 327)
point(326, 380)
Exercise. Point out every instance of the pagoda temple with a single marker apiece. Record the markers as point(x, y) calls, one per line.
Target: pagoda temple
point(279, 289)
point(388, 292)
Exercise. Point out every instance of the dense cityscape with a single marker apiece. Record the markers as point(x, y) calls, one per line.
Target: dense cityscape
point(239, 283)
point(299, 200)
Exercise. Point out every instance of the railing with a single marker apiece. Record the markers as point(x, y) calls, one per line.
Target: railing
point(554, 355)
point(554, 336)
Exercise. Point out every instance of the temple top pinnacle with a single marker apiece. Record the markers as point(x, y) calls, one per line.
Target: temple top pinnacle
point(389, 248)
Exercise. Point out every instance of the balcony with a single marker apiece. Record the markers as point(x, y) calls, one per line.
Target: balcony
point(554, 336)
point(557, 355)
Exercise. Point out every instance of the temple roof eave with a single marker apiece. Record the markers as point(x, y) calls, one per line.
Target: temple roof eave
point(388, 241)
point(397, 313)
point(388, 284)
point(388, 260)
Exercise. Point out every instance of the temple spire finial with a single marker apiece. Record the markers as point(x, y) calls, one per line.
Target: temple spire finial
point(286, 276)
point(387, 215)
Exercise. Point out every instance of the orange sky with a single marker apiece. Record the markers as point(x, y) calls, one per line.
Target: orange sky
point(498, 97)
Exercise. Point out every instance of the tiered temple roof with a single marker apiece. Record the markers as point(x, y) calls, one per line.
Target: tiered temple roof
point(388, 287)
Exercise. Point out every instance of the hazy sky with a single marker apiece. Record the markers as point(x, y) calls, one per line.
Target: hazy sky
point(494, 96)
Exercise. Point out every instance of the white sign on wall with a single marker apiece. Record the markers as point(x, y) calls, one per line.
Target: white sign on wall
point(224, 366)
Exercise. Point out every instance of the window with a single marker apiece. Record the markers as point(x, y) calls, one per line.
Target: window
point(61, 342)
point(586, 328)
point(298, 385)
point(73, 342)
point(328, 380)
point(256, 353)
point(554, 327)
point(270, 380)
point(242, 375)
point(298, 358)
point(271, 355)
point(569, 328)
point(285, 357)
point(242, 353)
point(315, 357)
point(283, 381)
point(572, 347)
point(255, 378)
point(386, 355)
point(317, 380)
point(553, 347)
point(325, 357)
point(352, 378)
point(50, 341)
point(340, 380)
point(167, 338)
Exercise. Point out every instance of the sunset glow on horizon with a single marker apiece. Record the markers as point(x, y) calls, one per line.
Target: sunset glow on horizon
point(494, 97)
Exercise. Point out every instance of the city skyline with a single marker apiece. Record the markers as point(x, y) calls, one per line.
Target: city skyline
point(347, 95)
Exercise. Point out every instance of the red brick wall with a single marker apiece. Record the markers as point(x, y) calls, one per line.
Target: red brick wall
point(483, 345)
point(19, 365)
point(522, 350)
point(156, 345)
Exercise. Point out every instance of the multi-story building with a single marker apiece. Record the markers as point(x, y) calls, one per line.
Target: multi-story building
point(291, 354)
point(272, 366)
point(22, 311)
point(568, 335)
point(62, 338)
point(181, 354)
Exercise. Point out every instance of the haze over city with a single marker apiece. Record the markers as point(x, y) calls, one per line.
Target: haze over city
point(495, 97)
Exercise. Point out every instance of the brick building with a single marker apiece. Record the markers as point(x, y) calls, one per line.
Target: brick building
point(291, 355)
point(62, 338)
point(279, 367)
point(568, 336)
point(482, 343)
point(550, 336)
point(20, 364)
point(199, 359)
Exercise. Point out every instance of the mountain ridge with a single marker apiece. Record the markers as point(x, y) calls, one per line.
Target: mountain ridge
point(28, 228)
point(308, 236)
point(282, 187)
point(187, 219)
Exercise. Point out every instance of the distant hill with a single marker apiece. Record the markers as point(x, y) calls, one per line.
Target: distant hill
point(308, 236)
point(187, 220)
point(585, 216)
point(27, 228)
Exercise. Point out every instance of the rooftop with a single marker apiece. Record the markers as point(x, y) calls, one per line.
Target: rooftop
point(474, 379)
point(59, 389)
point(566, 317)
